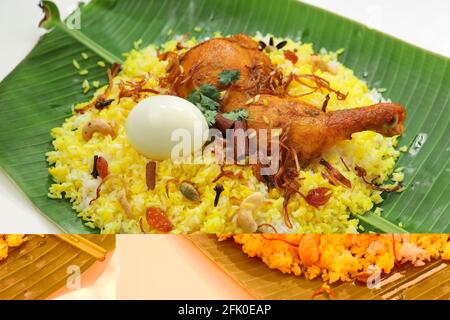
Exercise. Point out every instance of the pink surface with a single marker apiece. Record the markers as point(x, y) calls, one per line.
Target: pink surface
point(97, 283)
point(170, 267)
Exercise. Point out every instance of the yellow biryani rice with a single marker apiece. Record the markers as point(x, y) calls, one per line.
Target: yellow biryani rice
point(71, 162)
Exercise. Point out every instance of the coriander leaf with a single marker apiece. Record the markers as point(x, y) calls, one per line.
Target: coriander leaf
point(210, 117)
point(206, 99)
point(210, 91)
point(209, 104)
point(235, 115)
point(228, 77)
point(195, 96)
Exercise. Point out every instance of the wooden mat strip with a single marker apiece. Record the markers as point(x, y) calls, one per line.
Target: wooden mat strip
point(39, 267)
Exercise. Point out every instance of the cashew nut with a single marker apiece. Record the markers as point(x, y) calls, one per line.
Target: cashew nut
point(319, 64)
point(244, 218)
point(122, 197)
point(97, 125)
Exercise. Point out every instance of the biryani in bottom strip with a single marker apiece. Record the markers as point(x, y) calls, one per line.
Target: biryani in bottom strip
point(338, 257)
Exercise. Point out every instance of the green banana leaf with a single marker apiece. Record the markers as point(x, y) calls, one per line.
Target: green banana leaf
point(40, 92)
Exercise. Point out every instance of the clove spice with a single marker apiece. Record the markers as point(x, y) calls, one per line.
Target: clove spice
point(218, 189)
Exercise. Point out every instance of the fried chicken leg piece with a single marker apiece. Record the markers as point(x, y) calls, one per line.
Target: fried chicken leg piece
point(311, 131)
point(203, 64)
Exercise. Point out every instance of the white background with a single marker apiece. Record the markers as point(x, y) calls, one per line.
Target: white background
point(424, 23)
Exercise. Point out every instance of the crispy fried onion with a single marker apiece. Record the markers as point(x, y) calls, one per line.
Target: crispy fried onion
point(260, 82)
point(312, 81)
point(362, 173)
point(228, 174)
point(282, 238)
point(318, 83)
point(168, 182)
point(102, 100)
point(267, 225)
point(134, 89)
point(334, 176)
point(121, 194)
point(173, 69)
point(286, 177)
point(325, 288)
point(325, 103)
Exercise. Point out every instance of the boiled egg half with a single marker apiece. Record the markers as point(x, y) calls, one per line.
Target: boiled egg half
point(156, 125)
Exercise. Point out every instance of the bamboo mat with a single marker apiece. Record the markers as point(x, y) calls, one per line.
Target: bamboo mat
point(431, 281)
point(39, 267)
